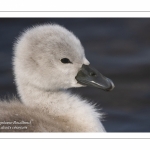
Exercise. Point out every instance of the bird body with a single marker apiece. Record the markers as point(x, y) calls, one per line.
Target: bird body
point(48, 60)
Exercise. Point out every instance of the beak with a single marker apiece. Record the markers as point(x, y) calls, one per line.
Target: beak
point(92, 77)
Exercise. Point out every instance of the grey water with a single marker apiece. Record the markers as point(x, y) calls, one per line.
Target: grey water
point(118, 47)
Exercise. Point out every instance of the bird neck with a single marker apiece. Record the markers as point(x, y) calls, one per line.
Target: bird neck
point(63, 103)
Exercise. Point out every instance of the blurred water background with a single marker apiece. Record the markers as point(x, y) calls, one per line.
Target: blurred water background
point(118, 47)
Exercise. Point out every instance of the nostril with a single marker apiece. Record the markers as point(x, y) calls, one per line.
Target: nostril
point(92, 74)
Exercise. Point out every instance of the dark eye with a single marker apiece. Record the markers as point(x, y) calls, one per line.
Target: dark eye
point(65, 60)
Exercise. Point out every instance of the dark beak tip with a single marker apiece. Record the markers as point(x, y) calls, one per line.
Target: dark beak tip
point(111, 87)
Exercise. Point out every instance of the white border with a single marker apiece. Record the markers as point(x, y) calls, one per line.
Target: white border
point(74, 5)
point(75, 135)
point(80, 14)
point(73, 144)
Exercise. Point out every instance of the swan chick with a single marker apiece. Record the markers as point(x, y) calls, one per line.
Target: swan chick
point(48, 60)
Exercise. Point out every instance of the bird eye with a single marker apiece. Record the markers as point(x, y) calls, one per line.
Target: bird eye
point(65, 60)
